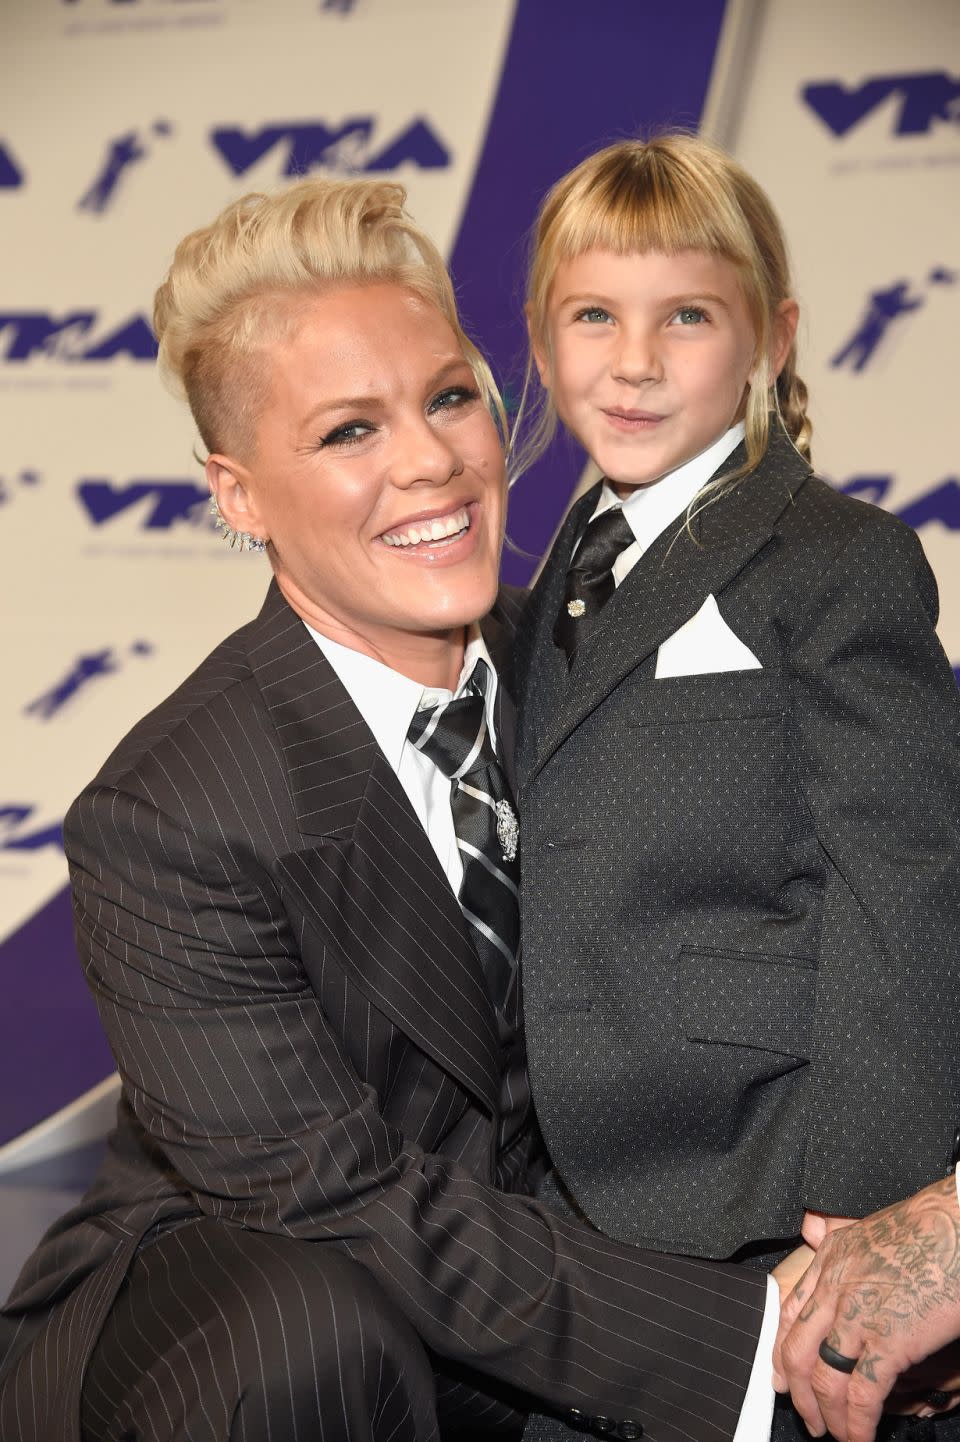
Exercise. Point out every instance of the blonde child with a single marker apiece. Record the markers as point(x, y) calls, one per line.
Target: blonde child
point(738, 762)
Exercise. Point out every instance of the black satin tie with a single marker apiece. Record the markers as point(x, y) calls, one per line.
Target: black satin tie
point(590, 582)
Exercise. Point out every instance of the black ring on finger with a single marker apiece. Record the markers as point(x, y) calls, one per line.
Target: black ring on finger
point(939, 1399)
point(837, 1360)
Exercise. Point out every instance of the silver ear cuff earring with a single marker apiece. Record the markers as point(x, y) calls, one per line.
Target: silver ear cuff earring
point(242, 540)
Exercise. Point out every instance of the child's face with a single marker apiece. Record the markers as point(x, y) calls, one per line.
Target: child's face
point(648, 357)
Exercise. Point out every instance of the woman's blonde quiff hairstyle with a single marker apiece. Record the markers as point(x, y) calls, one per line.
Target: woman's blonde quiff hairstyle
point(671, 193)
point(238, 284)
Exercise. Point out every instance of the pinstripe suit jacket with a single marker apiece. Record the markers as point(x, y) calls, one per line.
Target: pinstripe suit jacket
point(307, 1048)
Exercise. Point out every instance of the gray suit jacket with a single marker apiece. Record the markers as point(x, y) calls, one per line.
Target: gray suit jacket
point(307, 1048)
point(741, 901)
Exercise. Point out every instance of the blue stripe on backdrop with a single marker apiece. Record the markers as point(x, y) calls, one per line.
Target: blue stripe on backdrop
point(52, 1048)
point(576, 76)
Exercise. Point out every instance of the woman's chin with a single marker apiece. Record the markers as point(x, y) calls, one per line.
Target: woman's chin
point(448, 602)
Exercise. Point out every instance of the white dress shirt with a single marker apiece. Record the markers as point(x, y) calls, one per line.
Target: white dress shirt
point(388, 703)
point(651, 509)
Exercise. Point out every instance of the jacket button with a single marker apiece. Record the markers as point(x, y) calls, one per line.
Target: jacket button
point(630, 1431)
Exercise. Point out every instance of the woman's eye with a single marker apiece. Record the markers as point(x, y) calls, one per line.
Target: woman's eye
point(347, 435)
point(594, 314)
point(690, 315)
point(453, 397)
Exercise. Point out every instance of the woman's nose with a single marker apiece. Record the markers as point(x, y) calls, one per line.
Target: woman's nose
point(423, 454)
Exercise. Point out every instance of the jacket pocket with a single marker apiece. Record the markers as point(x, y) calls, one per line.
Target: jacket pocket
point(713, 697)
point(731, 999)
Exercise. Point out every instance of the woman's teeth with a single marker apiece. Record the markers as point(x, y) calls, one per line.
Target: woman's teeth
point(425, 531)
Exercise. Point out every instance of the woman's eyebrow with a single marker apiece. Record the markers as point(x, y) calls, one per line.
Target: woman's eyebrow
point(366, 402)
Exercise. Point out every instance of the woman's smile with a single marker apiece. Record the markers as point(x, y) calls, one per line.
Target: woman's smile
point(424, 536)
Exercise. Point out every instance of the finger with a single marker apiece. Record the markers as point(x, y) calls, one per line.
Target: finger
point(924, 1407)
point(798, 1315)
point(830, 1387)
point(870, 1385)
point(798, 1300)
point(804, 1400)
point(800, 1365)
point(818, 1389)
point(912, 1389)
point(850, 1404)
point(813, 1229)
point(840, 1224)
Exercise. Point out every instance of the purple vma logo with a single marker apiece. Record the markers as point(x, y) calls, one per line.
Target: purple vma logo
point(88, 667)
point(161, 503)
point(923, 100)
point(350, 147)
point(17, 833)
point(11, 174)
point(941, 504)
point(78, 335)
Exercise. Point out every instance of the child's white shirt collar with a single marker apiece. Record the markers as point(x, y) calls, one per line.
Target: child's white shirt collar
point(650, 509)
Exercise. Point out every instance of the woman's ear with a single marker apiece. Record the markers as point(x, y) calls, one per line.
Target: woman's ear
point(230, 486)
point(540, 353)
point(783, 333)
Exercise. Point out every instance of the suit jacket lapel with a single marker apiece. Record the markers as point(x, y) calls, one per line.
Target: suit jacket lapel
point(669, 585)
point(366, 874)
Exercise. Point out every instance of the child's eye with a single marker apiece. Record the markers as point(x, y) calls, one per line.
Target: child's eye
point(690, 315)
point(347, 435)
point(594, 314)
point(452, 398)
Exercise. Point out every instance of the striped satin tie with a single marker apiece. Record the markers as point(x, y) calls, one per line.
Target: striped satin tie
point(454, 736)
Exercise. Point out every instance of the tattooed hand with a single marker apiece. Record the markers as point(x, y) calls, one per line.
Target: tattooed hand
point(886, 1291)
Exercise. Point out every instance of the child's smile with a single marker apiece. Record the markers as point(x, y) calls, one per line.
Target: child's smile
point(647, 357)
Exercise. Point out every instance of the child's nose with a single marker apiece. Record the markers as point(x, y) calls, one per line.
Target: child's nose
point(637, 359)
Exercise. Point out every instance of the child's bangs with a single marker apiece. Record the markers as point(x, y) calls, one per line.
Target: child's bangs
point(639, 209)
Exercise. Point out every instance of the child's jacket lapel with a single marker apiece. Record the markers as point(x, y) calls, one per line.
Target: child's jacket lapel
point(666, 588)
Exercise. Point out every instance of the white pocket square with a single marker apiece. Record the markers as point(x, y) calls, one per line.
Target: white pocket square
point(704, 644)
